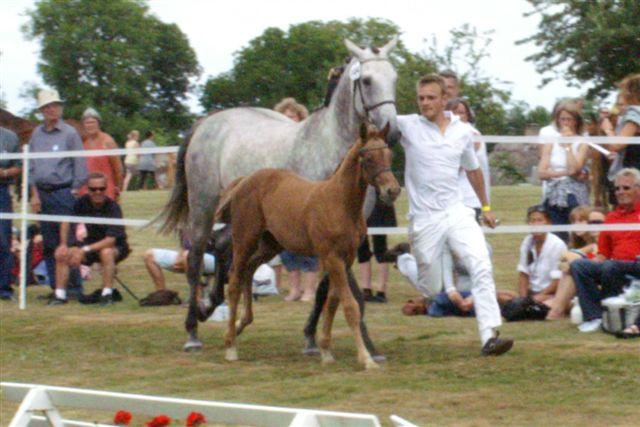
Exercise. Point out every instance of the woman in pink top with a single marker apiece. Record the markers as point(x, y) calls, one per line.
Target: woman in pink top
point(110, 166)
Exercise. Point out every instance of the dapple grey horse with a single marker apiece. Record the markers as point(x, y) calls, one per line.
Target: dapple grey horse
point(239, 141)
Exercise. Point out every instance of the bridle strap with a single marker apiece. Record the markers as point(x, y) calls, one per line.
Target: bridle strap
point(357, 87)
point(373, 176)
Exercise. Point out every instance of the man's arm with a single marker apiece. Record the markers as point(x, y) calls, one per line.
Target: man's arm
point(523, 284)
point(476, 179)
point(107, 242)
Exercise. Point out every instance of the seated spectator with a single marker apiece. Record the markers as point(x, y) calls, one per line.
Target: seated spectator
point(157, 259)
point(562, 167)
point(104, 244)
point(539, 257)
point(605, 275)
point(581, 245)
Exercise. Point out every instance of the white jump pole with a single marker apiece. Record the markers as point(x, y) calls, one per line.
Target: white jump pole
point(23, 230)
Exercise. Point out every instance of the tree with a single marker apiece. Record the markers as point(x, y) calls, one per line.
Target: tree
point(117, 57)
point(294, 63)
point(596, 42)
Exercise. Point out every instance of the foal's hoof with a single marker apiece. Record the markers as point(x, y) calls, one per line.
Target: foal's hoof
point(327, 357)
point(370, 365)
point(231, 354)
point(379, 358)
point(192, 345)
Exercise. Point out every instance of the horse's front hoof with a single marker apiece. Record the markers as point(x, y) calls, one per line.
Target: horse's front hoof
point(192, 345)
point(379, 358)
point(327, 357)
point(231, 354)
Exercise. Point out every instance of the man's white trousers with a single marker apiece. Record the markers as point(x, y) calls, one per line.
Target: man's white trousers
point(457, 228)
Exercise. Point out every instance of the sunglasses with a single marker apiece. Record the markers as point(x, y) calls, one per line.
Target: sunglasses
point(595, 221)
point(623, 187)
point(94, 189)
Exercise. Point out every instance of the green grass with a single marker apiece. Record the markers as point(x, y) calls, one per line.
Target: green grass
point(434, 375)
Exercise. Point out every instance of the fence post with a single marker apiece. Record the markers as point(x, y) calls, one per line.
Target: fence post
point(23, 229)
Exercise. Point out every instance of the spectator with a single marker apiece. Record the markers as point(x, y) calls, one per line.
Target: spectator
point(131, 160)
point(109, 166)
point(562, 167)
point(605, 275)
point(452, 84)
point(302, 269)
point(539, 257)
point(581, 245)
point(9, 170)
point(628, 122)
point(147, 164)
point(55, 182)
point(104, 244)
point(383, 215)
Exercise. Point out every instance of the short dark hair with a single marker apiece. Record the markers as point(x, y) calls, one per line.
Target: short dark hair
point(453, 104)
point(432, 78)
point(148, 134)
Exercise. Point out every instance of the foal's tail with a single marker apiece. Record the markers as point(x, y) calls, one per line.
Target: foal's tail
point(223, 211)
point(174, 214)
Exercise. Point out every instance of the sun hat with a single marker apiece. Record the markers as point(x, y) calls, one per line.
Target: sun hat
point(48, 96)
point(91, 112)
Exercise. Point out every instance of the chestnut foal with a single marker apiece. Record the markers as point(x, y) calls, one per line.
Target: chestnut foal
point(275, 209)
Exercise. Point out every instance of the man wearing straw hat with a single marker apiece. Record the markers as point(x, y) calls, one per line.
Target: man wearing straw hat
point(55, 181)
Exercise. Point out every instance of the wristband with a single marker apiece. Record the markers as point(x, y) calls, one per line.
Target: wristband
point(486, 208)
point(86, 249)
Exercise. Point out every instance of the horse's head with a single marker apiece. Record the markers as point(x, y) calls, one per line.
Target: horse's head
point(374, 85)
point(375, 158)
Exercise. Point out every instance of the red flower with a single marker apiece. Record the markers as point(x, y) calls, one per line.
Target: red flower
point(122, 418)
point(159, 421)
point(195, 419)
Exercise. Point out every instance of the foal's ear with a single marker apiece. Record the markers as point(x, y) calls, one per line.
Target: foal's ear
point(363, 132)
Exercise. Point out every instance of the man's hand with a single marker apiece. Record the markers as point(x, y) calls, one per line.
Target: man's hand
point(490, 219)
point(466, 304)
point(75, 257)
point(606, 126)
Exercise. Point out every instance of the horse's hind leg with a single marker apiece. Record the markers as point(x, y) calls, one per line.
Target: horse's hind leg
point(201, 220)
point(310, 347)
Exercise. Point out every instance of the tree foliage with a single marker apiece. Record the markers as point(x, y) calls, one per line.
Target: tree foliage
point(595, 42)
point(294, 63)
point(116, 56)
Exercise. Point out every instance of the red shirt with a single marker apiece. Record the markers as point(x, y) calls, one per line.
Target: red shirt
point(621, 245)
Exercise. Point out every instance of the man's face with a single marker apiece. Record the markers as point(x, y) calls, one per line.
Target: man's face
point(627, 191)
point(52, 112)
point(453, 90)
point(97, 190)
point(431, 101)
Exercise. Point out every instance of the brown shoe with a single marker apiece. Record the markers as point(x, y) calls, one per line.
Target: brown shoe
point(496, 346)
point(391, 256)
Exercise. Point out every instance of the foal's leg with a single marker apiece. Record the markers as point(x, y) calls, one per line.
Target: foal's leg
point(351, 310)
point(231, 353)
point(310, 347)
point(330, 308)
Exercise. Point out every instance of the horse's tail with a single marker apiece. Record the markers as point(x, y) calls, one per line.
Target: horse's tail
point(174, 214)
point(223, 211)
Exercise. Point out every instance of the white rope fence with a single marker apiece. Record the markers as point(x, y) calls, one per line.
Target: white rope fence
point(24, 216)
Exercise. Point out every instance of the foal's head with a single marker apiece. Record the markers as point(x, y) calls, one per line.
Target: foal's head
point(375, 158)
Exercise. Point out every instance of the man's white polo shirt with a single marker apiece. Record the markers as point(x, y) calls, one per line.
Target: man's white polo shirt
point(433, 160)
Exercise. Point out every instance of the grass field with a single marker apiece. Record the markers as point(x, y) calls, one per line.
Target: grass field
point(434, 374)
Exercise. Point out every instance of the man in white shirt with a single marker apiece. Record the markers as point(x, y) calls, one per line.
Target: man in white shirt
point(436, 145)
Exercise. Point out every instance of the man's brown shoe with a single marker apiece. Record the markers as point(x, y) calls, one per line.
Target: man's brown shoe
point(496, 346)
